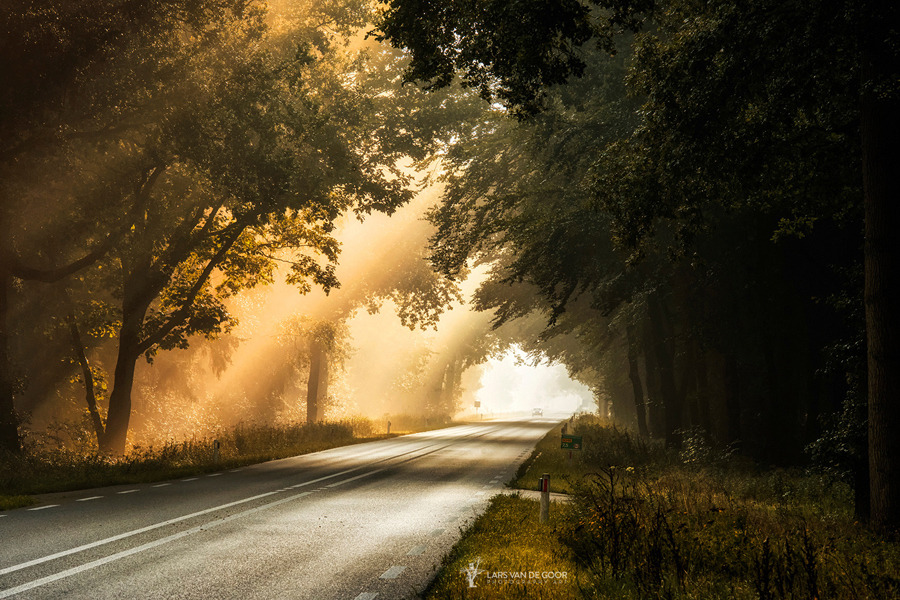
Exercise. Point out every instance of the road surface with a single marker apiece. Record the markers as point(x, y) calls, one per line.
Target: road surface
point(354, 523)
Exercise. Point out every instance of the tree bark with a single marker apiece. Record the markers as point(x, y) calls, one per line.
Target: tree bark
point(880, 132)
point(701, 400)
point(9, 426)
point(664, 352)
point(732, 400)
point(119, 413)
point(316, 353)
point(138, 294)
point(640, 405)
point(322, 398)
point(656, 423)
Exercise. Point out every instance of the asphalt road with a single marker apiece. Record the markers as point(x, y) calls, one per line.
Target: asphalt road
point(354, 523)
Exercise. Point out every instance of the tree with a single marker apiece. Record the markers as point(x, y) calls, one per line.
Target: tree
point(750, 105)
point(238, 150)
point(79, 80)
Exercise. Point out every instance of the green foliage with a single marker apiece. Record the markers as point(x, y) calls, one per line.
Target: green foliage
point(508, 52)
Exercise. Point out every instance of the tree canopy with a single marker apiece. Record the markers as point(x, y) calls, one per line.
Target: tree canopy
point(740, 168)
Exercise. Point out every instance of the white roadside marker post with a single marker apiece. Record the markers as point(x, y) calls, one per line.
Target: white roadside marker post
point(545, 498)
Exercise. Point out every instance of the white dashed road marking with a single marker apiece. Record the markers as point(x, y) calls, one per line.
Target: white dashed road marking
point(88, 498)
point(417, 550)
point(128, 491)
point(44, 507)
point(392, 573)
point(137, 549)
point(355, 478)
point(162, 484)
point(367, 596)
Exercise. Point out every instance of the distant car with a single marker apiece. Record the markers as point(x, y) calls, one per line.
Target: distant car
point(537, 412)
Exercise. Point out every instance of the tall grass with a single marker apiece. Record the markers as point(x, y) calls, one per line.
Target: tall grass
point(648, 523)
point(48, 468)
point(507, 541)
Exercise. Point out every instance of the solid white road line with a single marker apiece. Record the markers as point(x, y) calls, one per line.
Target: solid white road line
point(137, 549)
point(127, 534)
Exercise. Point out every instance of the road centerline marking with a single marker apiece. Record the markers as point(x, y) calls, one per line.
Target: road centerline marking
point(141, 530)
point(392, 573)
point(127, 534)
point(343, 481)
point(143, 547)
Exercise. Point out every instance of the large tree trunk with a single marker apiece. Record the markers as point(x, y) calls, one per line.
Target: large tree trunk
point(664, 351)
point(732, 400)
point(316, 355)
point(9, 427)
point(880, 129)
point(655, 406)
point(134, 309)
point(322, 397)
point(702, 408)
point(119, 413)
point(640, 406)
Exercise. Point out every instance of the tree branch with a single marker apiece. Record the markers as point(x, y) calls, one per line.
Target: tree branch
point(178, 316)
point(22, 271)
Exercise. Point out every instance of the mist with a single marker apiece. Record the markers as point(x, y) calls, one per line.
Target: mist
point(257, 373)
point(512, 383)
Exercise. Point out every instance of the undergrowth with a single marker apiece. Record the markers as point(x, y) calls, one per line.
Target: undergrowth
point(46, 467)
point(646, 522)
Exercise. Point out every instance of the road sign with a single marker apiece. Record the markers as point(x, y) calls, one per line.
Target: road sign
point(477, 404)
point(571, 442)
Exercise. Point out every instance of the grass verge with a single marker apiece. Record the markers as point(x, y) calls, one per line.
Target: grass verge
point(645, 522)
point(50, 470)
point(510, 549)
